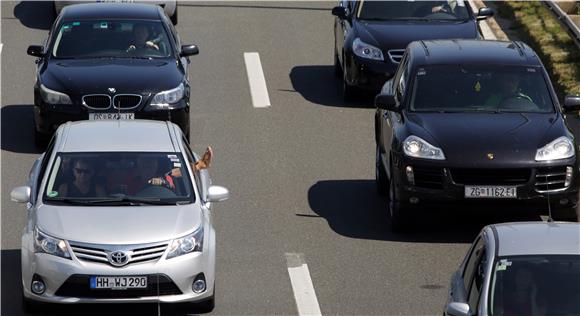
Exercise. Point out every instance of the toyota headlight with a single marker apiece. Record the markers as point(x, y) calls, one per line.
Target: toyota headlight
point(364, 50)
point(414, 146)
point(163, 100)
point(560, 148)
point(44, 243)
point(53, 97)
point(188, 244)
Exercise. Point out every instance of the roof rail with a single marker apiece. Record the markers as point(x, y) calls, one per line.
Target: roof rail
point(425, 47)
point(520, 48)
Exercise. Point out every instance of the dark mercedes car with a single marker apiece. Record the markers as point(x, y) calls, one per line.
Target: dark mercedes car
point(370, 36)
point(474, 122)
point(111, 61)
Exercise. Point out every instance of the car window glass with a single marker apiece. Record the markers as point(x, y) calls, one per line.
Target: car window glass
point(196, 173)
point(461, 88)
point(118, 176)
point(420, 11)
point(470, 264)
point(44, 163)
point(111, 39)
point(477, 281)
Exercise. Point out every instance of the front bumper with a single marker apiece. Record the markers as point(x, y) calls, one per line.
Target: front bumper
point(368, 74)
point(49, 117)
point(439, 184)
point(67, 281)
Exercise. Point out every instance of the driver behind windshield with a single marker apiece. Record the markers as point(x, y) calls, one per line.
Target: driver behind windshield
point(508, 87)
point(142, 39)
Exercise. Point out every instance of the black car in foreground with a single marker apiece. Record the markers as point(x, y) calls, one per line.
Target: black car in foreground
point(474, 122)
point(370, 36)
point(111, 61)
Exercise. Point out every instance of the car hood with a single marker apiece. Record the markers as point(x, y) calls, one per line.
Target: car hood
point(95, 76)
point(468, 138)
point(118, 224)
point(398, 34)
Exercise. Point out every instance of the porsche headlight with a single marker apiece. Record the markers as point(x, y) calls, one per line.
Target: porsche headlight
point(163, 100)
point(53, 97)
point(187, 244)
point(46, 244)
point(414, 146)
point(364, 50)
point(560, 148)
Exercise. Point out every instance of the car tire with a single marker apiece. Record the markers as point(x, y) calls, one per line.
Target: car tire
point(31, 307)
point(208, 305)
point(337, 67)
point(173, 18)
point(565, 214)
point(380, 175)
point(348, 92)
point(395, 209)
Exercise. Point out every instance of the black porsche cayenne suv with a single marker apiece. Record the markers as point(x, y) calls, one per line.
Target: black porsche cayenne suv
point(111, 61)
point(474, 122)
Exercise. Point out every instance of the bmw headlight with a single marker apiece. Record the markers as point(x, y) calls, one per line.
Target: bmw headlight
point(53, 97)
point(560, 148)
point(414, 146)
point(188, 244)
point(364, 50)
point(50, 245)
point(162, 100)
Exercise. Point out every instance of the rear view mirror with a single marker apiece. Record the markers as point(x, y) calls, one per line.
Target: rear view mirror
point(340, 12)
point(484, 13)
point(216, 193)
point(386, 102)
point(20, 194)
point(572, 103)
point(189, 50)
point(457, 309)
point(35, 50)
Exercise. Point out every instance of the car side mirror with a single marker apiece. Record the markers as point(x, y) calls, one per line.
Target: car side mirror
point(340, 12)
point(189, 50)
point(35, 50)
point(386, 102)
point(484, 13)
point(572, 103)
point(457, 309)
point(216, 193)
point(20, 194)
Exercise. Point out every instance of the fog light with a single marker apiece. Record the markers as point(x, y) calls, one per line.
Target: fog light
point(198, 286)
point(414, 200)
point(569, 171)
point(410, 175)
point(38, 287)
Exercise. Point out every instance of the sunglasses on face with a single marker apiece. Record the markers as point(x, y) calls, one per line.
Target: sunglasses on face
point(82, 170)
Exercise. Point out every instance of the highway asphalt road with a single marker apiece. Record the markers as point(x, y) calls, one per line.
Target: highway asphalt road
point(300, 172)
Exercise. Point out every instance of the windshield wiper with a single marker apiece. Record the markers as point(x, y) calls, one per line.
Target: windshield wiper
point(73, 201)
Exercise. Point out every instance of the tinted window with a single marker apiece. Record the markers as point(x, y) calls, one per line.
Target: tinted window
point(470, 265)
point(457, 88)
point(477, 281)
point(115, 38)
point(97, 178)
point(536, 285)
point(413, 10)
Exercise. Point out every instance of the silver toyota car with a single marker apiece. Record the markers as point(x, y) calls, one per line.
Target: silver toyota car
point(523, 268)
point(117, 213)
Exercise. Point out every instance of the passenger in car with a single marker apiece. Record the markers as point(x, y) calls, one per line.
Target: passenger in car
point(83, 183)
point(508, 87)
point(142, 38)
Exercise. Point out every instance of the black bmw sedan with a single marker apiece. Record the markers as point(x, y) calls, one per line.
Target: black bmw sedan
point(111, 61)
point(370, 36)
point(471, 123)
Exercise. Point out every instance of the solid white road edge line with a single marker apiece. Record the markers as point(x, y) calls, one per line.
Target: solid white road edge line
point(257, 81)
point(302, 286)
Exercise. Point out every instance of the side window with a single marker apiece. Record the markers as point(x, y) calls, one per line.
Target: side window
point(471, 261)
point(44, 163)
point(196, 174)
point(401, 79)
point(477, 282)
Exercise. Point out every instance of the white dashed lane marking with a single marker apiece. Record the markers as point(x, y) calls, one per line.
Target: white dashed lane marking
point(302, 286)
point(257, 81)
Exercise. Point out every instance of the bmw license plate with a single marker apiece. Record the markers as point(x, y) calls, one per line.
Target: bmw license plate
point(111, 116)
point(494, 192)
point(118, 282)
